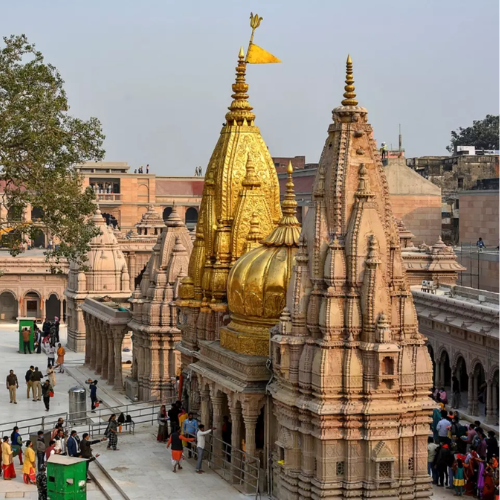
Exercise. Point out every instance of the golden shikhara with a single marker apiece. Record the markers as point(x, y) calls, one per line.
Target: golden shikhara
point(240, 181)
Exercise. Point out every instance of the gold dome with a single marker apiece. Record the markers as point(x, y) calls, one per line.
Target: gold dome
point(258, 282)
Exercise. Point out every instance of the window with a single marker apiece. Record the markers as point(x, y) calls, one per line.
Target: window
point(388, 366)
point(385, 470)
point(457, 204)
point(460, 183)
point(410, 464)
point(339, 469)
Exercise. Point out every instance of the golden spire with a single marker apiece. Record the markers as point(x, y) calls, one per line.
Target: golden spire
point(250, 180)
point(240, 111)
point(288, 230)
point(254, 235)
point(349, 88)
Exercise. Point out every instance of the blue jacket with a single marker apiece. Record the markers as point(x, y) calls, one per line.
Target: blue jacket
point(190, 427)
point(72, 447)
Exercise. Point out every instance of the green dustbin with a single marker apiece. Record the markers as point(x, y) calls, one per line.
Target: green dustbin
point(66, 478)
point(26, 323)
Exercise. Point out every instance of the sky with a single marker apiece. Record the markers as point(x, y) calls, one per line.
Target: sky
point(158, 74)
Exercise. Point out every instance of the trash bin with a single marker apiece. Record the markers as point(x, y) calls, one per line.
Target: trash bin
point(77, 405)
point(66, 478)
point(26, 323)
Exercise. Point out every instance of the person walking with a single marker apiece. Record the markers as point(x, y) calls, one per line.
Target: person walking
point(175, 441)
point(443, 459)
point(36, 378)
point(61, 352)
point(86, 450)
point(173, 415)
point(112, 433)
point(200, 446)
point(47, 392)
point(93, 394)
point(432, 448)
point(12, 385)
point(189, 429)
point(51, 375)
point(38, 340)
point(56, 326)
point(51, 354)
point(162, 425)
point(442, 428)
point(8, 469)
point(29, 382)
point(26, 340)
point(41, 483)
point(29, 475)
point(17, 444)
point(73, 444)
point(40, 449)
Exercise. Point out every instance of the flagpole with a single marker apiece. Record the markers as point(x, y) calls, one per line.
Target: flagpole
point(254, 24)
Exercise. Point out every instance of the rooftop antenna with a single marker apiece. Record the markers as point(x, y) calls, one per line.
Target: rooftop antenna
point(400, 139)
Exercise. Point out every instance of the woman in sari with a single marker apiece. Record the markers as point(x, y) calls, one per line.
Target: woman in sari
point(436, 417)
point(162, 425)
point(29, 475)
point(489, 483)
point(17, 445)
point(8, 469)
point(112, 433)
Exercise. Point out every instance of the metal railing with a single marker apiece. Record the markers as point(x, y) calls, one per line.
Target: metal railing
point(235, 466)
point(33, 425)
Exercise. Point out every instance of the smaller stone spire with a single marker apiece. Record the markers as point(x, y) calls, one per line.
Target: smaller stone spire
point(349, 94)
point(289, 205)
point(240, 111)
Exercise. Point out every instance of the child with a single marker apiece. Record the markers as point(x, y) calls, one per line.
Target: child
point(458, 478)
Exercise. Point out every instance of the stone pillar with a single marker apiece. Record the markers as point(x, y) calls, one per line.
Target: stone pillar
point(470, 394)
point(118, 339)
point(235, 443)
point(104, 348)
point(217, 423)
point(437, 374)
point(250, 451)
point(88, 327)
point(205, 399)
point(475, 402)
point(489, 402)
point(60, 310)
point(98, 350)
point(111, 358)
point(93, 345)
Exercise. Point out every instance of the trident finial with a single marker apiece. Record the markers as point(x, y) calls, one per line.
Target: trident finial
point(349, 88)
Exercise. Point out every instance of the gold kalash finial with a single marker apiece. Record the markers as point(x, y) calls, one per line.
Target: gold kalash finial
point(349, 88)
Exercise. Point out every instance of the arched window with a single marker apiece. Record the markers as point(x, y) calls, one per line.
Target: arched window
point(387, 366)
point(36, 214)
point(191, 216)
point(166, 213)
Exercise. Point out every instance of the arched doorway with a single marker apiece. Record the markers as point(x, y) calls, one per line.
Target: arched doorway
point(166, 213)
point(492, 401)
point(32, 305)
point(431, 354)
point(53, 307)
point(39, 239)
point(8, 306)
point(110, 220)
point(461, 378)
point(443, 370)
point(138, 278)
point(191, 217)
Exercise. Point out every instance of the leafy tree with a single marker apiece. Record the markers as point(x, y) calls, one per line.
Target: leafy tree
point(483, 135)
point(40, 143)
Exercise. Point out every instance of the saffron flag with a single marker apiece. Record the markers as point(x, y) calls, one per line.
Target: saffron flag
point(257, 55)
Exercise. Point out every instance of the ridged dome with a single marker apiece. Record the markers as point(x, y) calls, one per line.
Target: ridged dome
point(258, 281)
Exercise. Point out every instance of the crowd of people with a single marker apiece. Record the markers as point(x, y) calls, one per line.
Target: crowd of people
point(463, 457)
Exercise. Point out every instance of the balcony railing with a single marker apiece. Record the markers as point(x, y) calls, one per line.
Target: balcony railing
point(103, 197)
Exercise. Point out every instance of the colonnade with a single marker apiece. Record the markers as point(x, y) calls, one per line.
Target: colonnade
point(244, 411)
point(103, 349)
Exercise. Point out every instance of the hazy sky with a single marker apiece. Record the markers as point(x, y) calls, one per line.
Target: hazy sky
point(158, 74)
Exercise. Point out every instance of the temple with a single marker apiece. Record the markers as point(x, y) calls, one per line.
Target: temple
point(310, 343)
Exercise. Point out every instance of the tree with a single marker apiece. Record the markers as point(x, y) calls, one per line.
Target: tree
point(483, 135)
point(40, 144)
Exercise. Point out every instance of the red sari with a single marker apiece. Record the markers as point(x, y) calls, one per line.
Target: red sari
point(9, 472)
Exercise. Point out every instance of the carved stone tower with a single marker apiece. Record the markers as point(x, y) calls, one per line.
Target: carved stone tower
point(351, 371)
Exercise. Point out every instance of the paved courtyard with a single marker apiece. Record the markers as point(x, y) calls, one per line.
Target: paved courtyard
point(142, 467)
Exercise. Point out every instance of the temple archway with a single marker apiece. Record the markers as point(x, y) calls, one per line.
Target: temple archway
point(39, 239)
point(8, 306)
point(53, 307)
point(32, 302)
point(191, 217)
